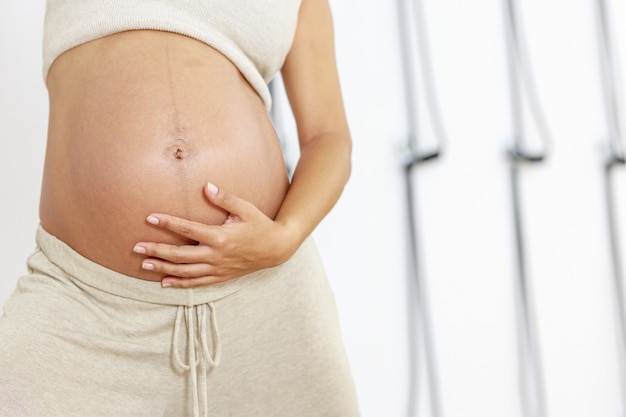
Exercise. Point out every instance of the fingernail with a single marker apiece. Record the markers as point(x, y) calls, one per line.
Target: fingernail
point(166, 284)
point(139, 249)
point(212, 188)
point(147, 266)
point(153, 220)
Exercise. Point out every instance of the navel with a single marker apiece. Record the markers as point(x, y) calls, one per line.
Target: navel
point(179, 149)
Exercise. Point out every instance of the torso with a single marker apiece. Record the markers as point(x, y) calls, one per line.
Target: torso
point(139, 122)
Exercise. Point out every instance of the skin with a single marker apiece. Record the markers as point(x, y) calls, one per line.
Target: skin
point(250, 240)
point(140, 121)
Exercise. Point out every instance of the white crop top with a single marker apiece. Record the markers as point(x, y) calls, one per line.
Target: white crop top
point(255, 35)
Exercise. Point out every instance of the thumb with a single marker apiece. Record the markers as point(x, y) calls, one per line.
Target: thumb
point(235, 206)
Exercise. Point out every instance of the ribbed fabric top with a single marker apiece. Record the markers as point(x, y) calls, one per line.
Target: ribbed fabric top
point(255, 35)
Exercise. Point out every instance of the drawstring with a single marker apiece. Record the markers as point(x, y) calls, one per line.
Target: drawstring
point(204, 357)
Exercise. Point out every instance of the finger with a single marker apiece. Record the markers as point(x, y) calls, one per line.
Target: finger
point(179, 254)
point(195, 231)
point(231, 203)
point(178, 270)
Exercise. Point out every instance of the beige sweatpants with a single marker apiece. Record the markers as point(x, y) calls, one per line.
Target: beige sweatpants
point(77, 339)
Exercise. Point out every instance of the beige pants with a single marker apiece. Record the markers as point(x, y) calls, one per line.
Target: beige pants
point(77, 339)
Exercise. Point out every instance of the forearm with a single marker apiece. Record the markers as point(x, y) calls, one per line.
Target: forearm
point(312, 85)
point(318, 181)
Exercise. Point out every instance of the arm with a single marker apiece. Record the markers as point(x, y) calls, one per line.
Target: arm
point(312, 85)
point(249, 240)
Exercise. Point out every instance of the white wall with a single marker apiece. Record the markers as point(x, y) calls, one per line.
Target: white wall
point(23, 125)
point(465, 224)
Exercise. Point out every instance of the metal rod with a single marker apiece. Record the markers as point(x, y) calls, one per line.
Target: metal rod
point(523, 85)
point(618, 278)
point(531, 369)
point(419, 311)
point(420, 325)
point(521, 81)
point(611, 84)
point(615, 158)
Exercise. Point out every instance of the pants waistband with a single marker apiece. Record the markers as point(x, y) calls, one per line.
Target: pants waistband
point(97, 276)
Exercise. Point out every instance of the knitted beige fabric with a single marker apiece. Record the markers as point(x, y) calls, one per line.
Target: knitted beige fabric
point(255, 35)
point(79, 340)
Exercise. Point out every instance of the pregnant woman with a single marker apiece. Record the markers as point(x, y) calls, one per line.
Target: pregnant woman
point(174, 273)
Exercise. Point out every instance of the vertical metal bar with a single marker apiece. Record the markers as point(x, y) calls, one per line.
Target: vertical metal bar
point(611, 85)
point(419, 316)
point(420, 323)
point(531, 370)
point(618, 277)
point(615, 158)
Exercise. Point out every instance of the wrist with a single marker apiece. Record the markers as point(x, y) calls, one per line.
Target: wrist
point(289, 239)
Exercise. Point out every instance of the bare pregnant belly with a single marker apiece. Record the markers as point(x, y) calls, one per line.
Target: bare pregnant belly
point(139, 122)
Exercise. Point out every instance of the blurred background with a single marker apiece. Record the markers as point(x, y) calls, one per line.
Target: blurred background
point(478, 317)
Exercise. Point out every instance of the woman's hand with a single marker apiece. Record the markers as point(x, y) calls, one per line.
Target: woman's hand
point(247, 241)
